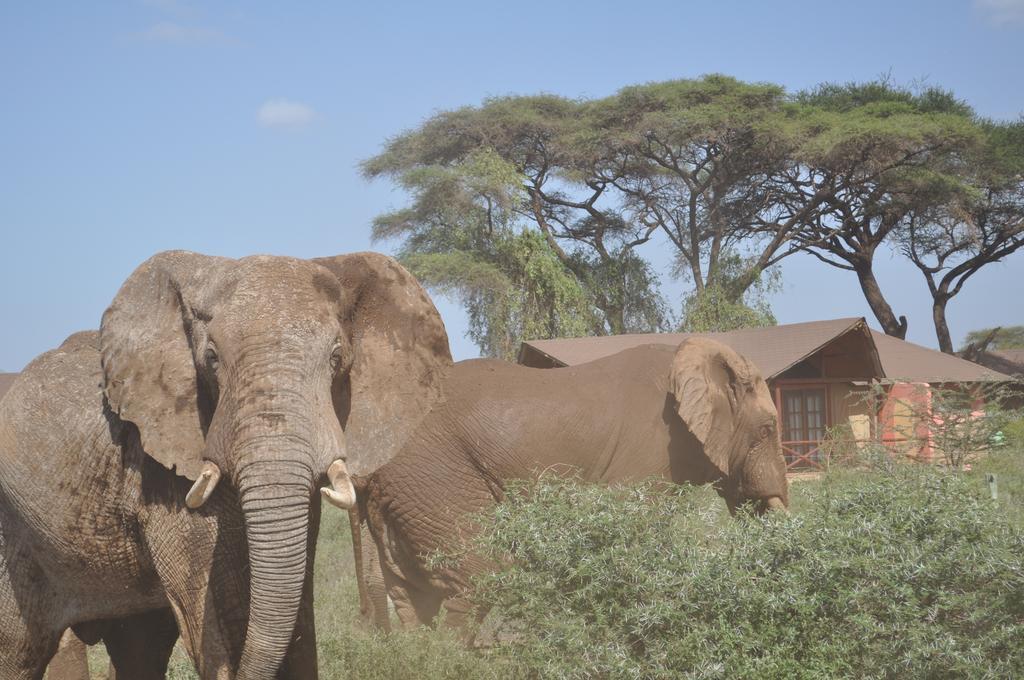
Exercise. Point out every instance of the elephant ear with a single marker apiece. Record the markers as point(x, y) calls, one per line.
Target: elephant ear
point(149, 373)
point(709, 381)
point(401, 356)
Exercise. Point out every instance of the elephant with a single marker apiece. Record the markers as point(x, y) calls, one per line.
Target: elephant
point(699, 413)
point(159, 477)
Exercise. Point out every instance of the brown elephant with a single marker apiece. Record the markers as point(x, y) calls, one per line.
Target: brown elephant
point(269, 375)
point(699, 413)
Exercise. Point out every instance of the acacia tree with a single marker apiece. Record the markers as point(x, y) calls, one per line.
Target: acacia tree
point(481, 179)
point(980, 224)
point(1000, 337)
point(699, 161)
point(598, 179)
point(460, 238)
point(734, 176)
point(880, 155)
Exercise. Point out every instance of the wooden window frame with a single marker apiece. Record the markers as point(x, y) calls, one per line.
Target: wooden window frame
point(797, 459)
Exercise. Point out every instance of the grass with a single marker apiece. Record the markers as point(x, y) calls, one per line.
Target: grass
point(609, 570)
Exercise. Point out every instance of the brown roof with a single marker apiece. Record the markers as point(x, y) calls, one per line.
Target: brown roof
point(776, 349)
point(773, 349)
point(1007, 361)
point(904, 360)
point(5, 381)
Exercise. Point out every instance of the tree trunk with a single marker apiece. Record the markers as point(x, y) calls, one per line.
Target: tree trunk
point(616, 319)
point(941, 327)
point(897, 328)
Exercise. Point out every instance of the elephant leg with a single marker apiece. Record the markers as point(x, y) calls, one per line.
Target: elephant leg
point(208, 592)
point(414, 606)
point(459, 614)
point(427, 603)
point(376, 591)
point(70, 662)
point(28, 636)
point(26, 654)
point(140, 646)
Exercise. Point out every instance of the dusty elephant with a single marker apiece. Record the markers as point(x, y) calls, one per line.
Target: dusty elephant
point(268, 375)
point(699, 413)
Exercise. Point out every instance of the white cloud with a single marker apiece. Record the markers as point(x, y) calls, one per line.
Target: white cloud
point(1002, 13)
point(170, 32)
point(285, 113)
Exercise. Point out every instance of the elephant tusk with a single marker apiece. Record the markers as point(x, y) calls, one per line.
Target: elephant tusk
point(775, 504)
point(341, 493)
point(204, 486)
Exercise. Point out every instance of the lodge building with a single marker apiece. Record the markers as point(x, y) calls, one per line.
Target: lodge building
point(820, 374)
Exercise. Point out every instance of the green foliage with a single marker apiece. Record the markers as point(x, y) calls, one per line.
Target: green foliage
point(515, 289)
point(598, 179)
point(1007, 337)
point(885, 96)
point(725, 305)
point(1007, 464)
point(713, 310)
point(907, 574)
point(718, 169)
point(1014, 432)
point(481, 227)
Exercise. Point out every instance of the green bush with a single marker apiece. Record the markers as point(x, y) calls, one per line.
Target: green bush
point(908, 574)
point(1014, 433)
point(1007, 464)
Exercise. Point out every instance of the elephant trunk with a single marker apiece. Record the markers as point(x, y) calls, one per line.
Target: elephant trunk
point(275, 497)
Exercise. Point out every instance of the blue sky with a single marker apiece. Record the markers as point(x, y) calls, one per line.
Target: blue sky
point(235, 128)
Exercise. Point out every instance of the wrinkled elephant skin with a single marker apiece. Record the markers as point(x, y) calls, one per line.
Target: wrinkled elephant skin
point(164, 475)
point(699, 413)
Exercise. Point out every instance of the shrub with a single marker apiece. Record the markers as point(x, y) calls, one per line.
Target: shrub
point(1014, 433)
point(907, 574)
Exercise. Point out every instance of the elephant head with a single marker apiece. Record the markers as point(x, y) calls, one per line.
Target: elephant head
point(726, 405)
point(269, 372)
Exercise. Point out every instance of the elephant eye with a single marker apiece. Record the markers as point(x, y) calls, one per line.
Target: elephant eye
point(766, 431)
point(336, 357)
point(211, 358)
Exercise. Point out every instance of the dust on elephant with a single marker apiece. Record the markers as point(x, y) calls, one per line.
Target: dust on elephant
point(699, 414)
point(169, 464)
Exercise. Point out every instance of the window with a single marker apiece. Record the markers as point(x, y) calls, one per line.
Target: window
point(803, 425)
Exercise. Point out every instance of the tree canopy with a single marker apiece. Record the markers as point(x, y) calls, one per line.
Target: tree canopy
point(534, 210)
point(881, 155)
point(1003, 337)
